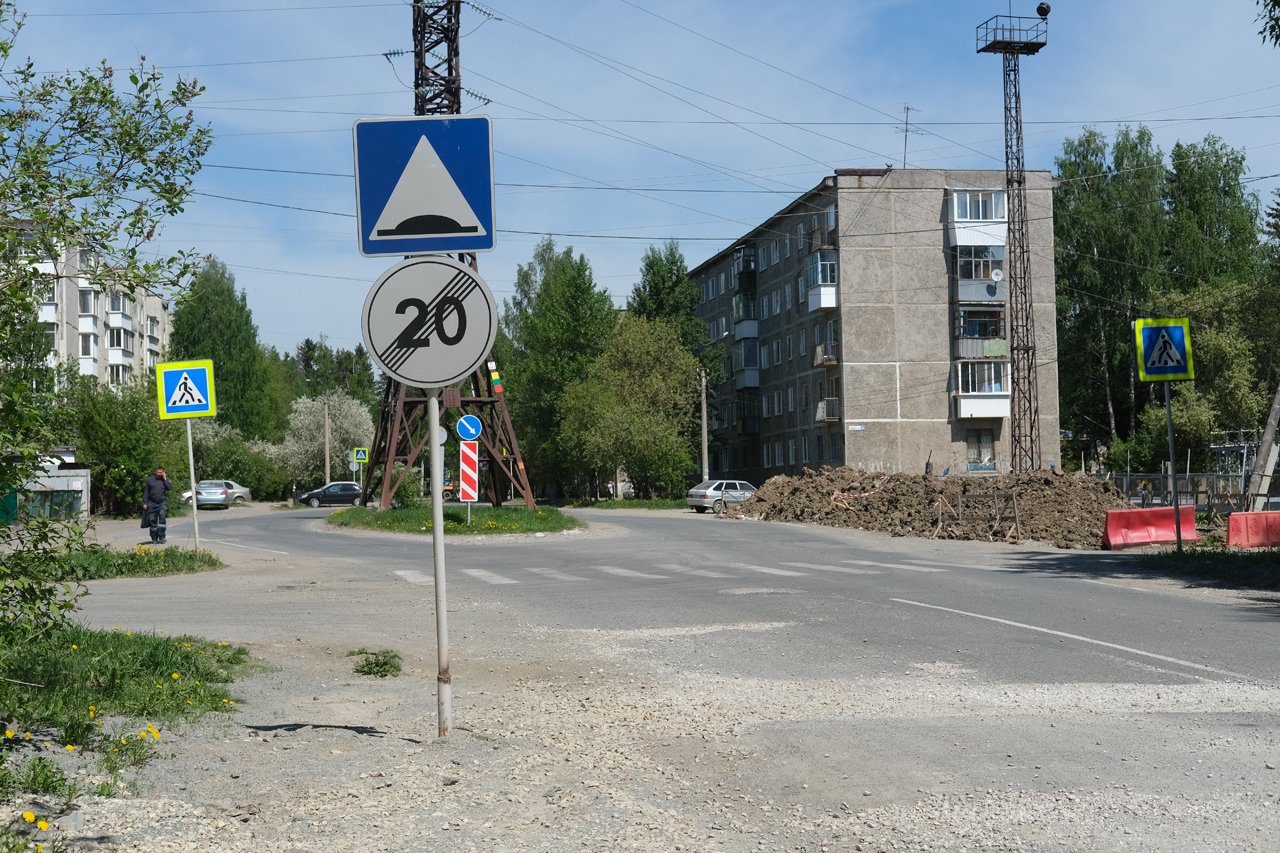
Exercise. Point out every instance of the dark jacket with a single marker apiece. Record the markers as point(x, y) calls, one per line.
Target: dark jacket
point(157, 490)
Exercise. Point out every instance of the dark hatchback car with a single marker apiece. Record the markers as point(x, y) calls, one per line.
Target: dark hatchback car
point(332, 494)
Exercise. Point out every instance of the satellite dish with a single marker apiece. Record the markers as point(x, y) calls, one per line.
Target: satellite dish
point(997, 275)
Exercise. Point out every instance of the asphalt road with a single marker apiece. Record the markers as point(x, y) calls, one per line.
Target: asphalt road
point(861, 665)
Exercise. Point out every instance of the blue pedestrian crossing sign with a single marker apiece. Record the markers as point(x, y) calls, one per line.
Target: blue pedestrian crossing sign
point(184, 389)
point(1164, 349)
point(424, 185)
point(360, 454)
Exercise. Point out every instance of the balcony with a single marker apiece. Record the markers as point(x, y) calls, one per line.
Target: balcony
point(48, 313)
point(969, 406)
point(120, 320)
point(747, 426)
point(981, 348)
point(746, 329)
point(115, 355)
point(824, 355)
point(828, 410)
point(746, 377)
point(88, 366)
point(824, 297)
point(88, 324)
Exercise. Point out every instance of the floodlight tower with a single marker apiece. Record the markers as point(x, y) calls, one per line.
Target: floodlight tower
point(1015, 37)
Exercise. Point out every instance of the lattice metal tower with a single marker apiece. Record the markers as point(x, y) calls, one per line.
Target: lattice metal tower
point(1014, 38)
point(402, 434)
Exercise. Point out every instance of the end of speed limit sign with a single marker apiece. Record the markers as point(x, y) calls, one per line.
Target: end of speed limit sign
point(429, 321)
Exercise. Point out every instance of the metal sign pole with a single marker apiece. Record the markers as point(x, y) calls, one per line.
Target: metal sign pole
point(444, 681)
point(195, 497)
point(1173, 468)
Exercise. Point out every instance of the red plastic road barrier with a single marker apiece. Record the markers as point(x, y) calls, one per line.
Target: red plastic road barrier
point(1127, 528)
point(1253, 529)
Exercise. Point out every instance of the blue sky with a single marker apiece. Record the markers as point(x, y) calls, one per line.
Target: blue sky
point(620, 123)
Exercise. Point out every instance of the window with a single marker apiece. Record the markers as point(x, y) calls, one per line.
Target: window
point(831, 333)
point(804, 401)
point(746, 355)
point(820, 268)
point(790, 352)
point(979, 205)
point(777, 302)
point(786, 246)
point(153, 327)
point(777, 352)
point(88, 301)
point(833, 386)
point(722, 279)
point(764, 307)
point(765, 455)
point(764, 256)
point(791, 401)
point(88, 345)
point(764, 355)
point(46, 294)
point(982, 377)
point(835, 448)
point(120, 304)
point(980, 447)
point(980, 321)
point(831, 217)
point(764, 407)
point(976, 263)
point(804, 449)
point(153, 358)
point(115, 338)
point(777, 453)
point(788, 299)
point(777, 401)
point(119, 374)
point(791, 451)
point(773, 251)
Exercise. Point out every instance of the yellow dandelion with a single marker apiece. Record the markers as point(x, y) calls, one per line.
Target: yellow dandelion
point(115, 627)
point(27, 736)
point(74, 647)
point(128, 633)
point(176, 676)
point(71, 747)
point(9, 733)
point(42, 825)
point(29, 816)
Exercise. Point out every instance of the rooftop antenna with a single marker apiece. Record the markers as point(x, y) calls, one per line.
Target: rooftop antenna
point(906, 130)
point(1014, 37)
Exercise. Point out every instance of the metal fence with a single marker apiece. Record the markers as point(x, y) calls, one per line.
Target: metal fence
point(1221, 492)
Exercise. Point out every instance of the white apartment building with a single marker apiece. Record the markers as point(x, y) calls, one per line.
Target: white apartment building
point(108, 334)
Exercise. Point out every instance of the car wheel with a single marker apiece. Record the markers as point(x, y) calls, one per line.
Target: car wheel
point(355, 502)
point(699, 509)
point(718, 507)
point(314, 502)
point(238, 499)
point(447, 495)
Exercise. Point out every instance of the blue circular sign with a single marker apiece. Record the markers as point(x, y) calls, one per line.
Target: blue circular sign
point(469, 428)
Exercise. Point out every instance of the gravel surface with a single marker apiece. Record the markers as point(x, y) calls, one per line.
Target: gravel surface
point(629, 740)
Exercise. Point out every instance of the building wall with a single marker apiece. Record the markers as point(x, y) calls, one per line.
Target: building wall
point(107, 335)
point(882, 392)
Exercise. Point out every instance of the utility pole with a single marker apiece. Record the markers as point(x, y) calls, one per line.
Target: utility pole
point(1015, 37)
point(328, 468)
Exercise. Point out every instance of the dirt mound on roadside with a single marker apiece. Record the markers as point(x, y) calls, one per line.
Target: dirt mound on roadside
point(1064, 510)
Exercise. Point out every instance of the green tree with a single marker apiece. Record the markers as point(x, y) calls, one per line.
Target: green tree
point(633, 410)
point(556, 325)
point(214, 321)
point(1109, 236)
point(302, 451)
point(88, 160)
point(666, 293)
point(1269, 18)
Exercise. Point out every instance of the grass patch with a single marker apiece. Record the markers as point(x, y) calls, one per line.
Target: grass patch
point(1252, 568)
point(484, 519)
point(97, 702)
point(382, 663)
point(651, 503)
point(97, 563)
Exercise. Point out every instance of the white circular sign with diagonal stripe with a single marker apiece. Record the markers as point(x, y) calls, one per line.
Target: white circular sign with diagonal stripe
point(429, 321)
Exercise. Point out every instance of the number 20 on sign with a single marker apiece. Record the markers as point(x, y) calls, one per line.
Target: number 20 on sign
point(429, 321)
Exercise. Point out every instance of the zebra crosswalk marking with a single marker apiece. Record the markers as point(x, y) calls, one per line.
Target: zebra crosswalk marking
point(902, 566)
point(684, 570)
point(555, 574)
point(844, 570)
point(488, 576)
point(768, 571)
point(626, 573)
point(414, 576)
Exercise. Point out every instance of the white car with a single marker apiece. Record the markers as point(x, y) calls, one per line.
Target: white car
point(715, 495)
point(223, 493)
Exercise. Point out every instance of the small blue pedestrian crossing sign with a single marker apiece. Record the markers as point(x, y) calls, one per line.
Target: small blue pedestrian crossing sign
point(184, 389)
point(424, 185)
point(360, 454)
point(1164, 349)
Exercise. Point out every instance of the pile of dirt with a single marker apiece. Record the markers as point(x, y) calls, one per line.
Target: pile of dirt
point(1065, 510)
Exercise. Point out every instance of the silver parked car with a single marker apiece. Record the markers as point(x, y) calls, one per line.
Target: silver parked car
point(715, 495)
point(223, 493)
